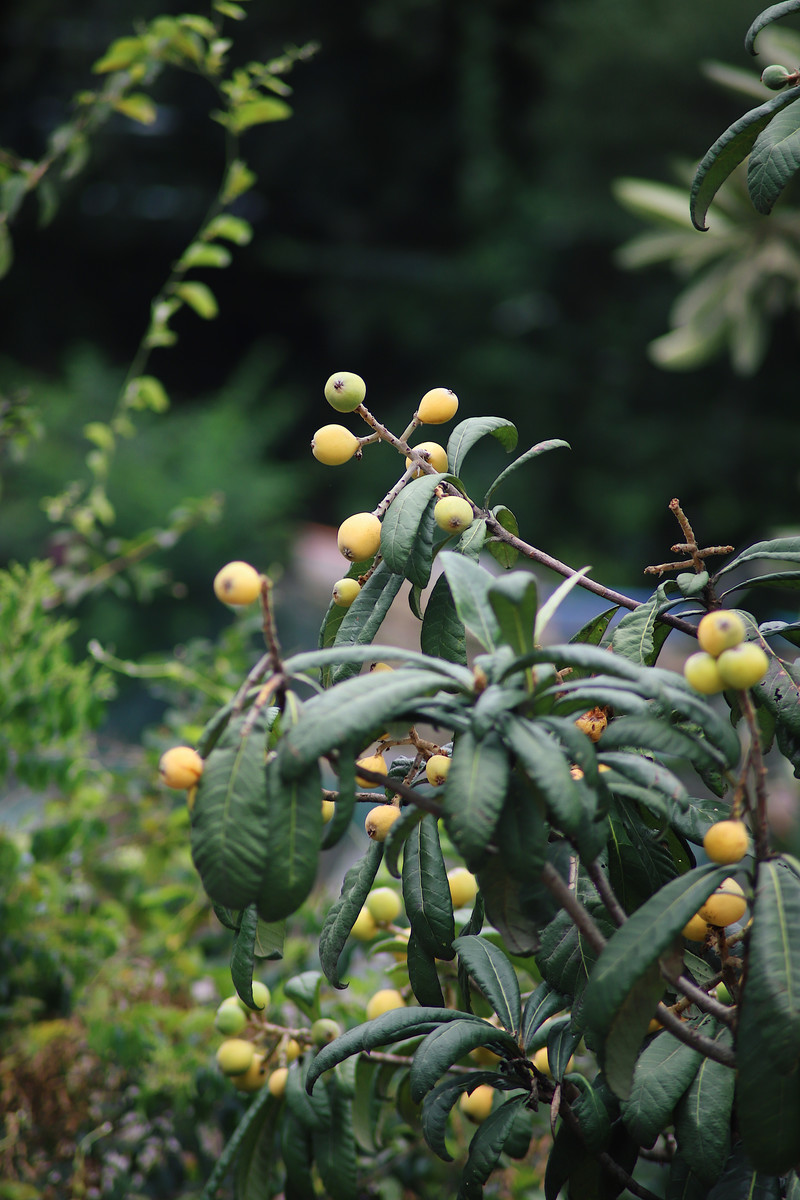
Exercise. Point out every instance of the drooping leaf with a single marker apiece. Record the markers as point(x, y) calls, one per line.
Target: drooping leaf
point(449, 1043)
point(773, 13)
point(544, 763)
point(259, 1111)
point(534, 452)
point(349, 712)
point(426, 892)
point(474, 793)
point(682, 1184)
point(703, 1116)
point(402, 828)
point(291, 847)
point(596, 1109)
point(469, 586)
point(406, 535)
point(542, 1003)
point(311, 1109)
point(593, 632)
point(345, 803)
point(255, 1162)
point(422, 974)
point(740, 1181)
point(774, 159)
point(443, 633)
point(731, 148)
point(438, 1103)
point(783, 549)
point(470, 431)
point(335, 1149)
point(398, 1025)
point(495, 976)
point(628, 1028)
point(641, 940)
point(342, 914)
point(767, 1109)
point(662, 738)
point(486, 1147)
point(230, 818)
point(517, 908)
point(303, 990)
point(521, 834)
point(297, 1155)
point(663, 1072)
point(242, 956)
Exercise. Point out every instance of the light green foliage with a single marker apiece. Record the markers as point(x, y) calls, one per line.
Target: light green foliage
point(49, 703)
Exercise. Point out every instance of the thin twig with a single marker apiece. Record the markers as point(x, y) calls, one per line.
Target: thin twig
point(761, 836)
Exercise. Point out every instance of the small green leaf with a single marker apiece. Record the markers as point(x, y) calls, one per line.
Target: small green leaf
point(138, 107)
point(664, 1070)
point(542, 1003)
point(534, 452)
point(231, 228)
point(422, 974)
point(774, 160)
point(639, 636)
point(258, 112)
point(362, 620)
point(120, 54)
point(200, 298)
point(495, 977)
point(242, 956)
point(486, 1147)
point(474, 793)
point(303, 990)
point(468, 432)
point(545, 765)
point(502, 552)
point(731, 148)
point(238, 181)
point(342, 914)
point(147, 392)
point(514, 600)
point(202, 254)
point(438, 1103)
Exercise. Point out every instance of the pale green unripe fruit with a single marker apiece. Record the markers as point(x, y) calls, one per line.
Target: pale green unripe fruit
point(380, 820)
point(742, 666)
point(723, 995)
point(234, 1056)
point(324, 1031)
point(463, 886)
point(436, 454)
point(237, 583)
point(720, 631)
point(344, 391)
point(437, 768)
point(261, 994)
point(364, 927)
point(437, 406)
point(229, 1018)
point(774, 77)
point(383, 905)
point(345, 592)
point(702, 673)
point(384, 1001)
point(453, 514)
point(276, 1082)
point(359, 537)
point(334, 445)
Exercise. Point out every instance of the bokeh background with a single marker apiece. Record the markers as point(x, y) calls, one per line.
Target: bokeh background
point(438, 210)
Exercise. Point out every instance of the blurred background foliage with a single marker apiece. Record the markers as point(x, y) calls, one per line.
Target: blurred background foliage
point(439, 209)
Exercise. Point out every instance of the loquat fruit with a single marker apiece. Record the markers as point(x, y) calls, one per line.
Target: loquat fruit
point(477, 1105)
point(374, 762)
point(436, 456)
point(438, 405)
point(383, 905)
point(726, 842)
point(345, 592)
point(742, 666)
point(463, 886)
point(719, 630)
point(593, 724)
point(453, 514)
point(384, 1001)
point(254, 1077)
point(345, 390)
point(437, 769)
point(364, 927)
point(702, 673)
point(696, 929)
point(724, 906)
point(180, 767)
point(359, 537)
point(380, 820)
point(276, 1081)
point(238, 584)
point(334, 445)
point(234, 1056)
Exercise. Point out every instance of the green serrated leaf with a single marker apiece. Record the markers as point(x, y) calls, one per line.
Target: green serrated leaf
point(703, 1116)
point(639, 636)
point(470, 431)
point(740, 1181)
point(230, 820)
point(641, 940)
point(451, 1042)
point(291, 846)
point(469, 585)
point(774, 159)
point(426, 892)
point(517, 908)
point(664, 1071)
point(729, 150)
point(341, 915)
point(534, 452)
point(474, 793)
point(495, 977)
point(443, 633)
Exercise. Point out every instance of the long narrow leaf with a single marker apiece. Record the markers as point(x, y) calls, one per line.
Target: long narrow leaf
point(534, 452)
point(495, 976)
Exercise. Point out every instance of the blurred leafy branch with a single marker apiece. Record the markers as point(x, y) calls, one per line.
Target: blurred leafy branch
point(745, 274)
point(247, 96)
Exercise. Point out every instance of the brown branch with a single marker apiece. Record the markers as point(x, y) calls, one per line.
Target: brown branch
point(568, 900)
point(761, 836)
point(401, 789)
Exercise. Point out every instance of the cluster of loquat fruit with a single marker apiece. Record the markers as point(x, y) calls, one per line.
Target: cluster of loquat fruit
point(240, 1058)
point(725, 659)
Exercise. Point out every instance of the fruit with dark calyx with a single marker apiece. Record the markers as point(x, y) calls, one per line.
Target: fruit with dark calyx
point(359, 537)
point(438, 405)
point(437, 768)
point(237, 583)
point(345, 592)
point(436, 455)
point(380, 820)
point(453, 514)
point(334, 445)
point(719, 630)
point(180, 767)
point(345, 390)
point(324, 1031)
